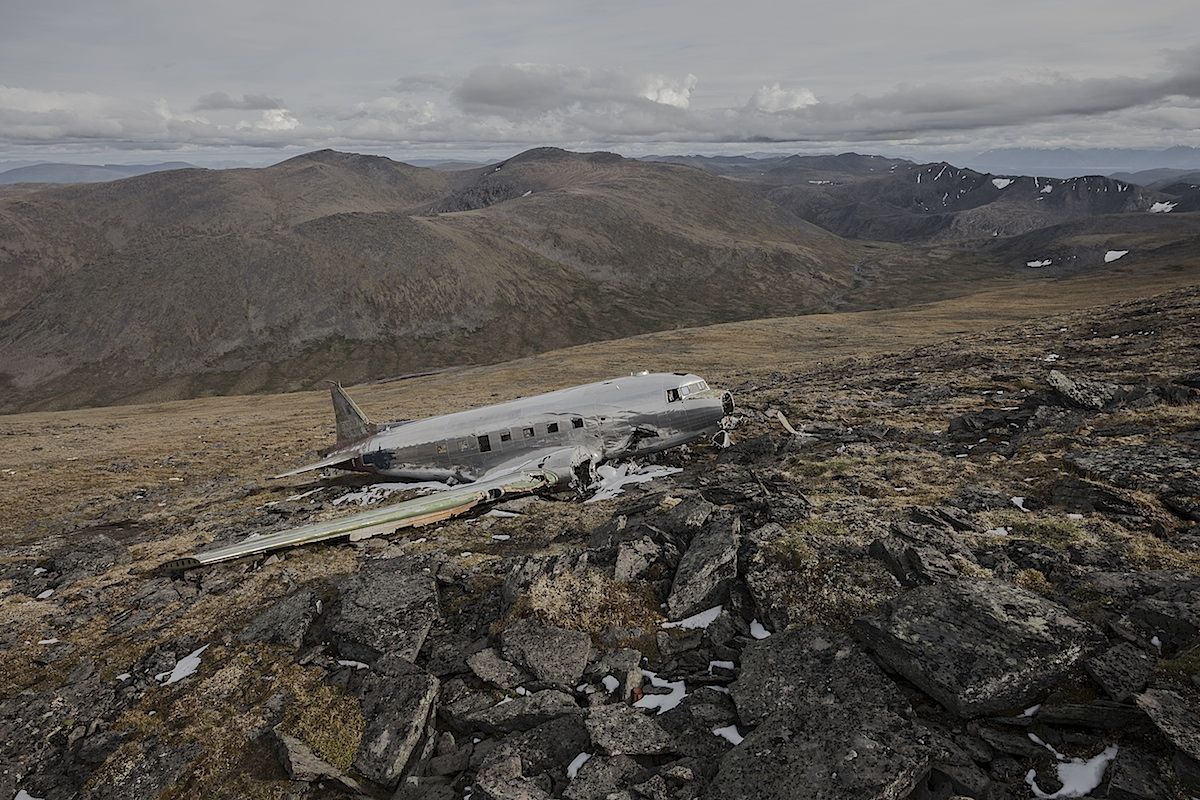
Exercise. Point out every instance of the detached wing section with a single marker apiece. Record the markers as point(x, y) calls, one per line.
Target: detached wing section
point(410, 513)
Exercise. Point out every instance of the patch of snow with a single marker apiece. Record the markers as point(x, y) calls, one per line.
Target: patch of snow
point(495, 512)
point(1052, 357)
point(610, 683)
point(124, 676)
point(345, 662)
point(48, 641)
point(186, 666)
point(1029, 712)
point(24, 795)
point(521, 690)
point(663, 702)
point(500, 537)
point(1047, 189)
point(756, 628)
point(1001, 183)
point(527, 193)
point(1045, 262)
point(1019, 502)
point(576, 763)
point(729, 733)
point(1075, 516)
point(1078, 776)
point(701, 620)
point(39, 570)
point(1157, 642)
point(1162, 208)
point(997, 532)
point(614, 479)
point(821, 183)
point(502, 702)
point(45, 595)
point(1113, 255)
point(720, 665)
point(369, 495)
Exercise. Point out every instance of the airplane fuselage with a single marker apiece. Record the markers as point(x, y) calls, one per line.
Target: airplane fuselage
point(620, 417)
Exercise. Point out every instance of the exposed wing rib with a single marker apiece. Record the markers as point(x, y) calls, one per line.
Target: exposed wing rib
point(410, 513)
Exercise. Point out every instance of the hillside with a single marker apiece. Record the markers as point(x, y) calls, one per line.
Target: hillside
point(1024, 496)
point(82, 173)
point(338, 265)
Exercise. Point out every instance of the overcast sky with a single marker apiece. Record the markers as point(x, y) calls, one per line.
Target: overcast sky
point(241, 80)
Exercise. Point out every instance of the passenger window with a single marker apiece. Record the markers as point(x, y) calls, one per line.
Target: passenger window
point(441, 448)
point(527, 433)
point(672, 395)
point(485, 444)
point(552, 427)
point(506, 436)
point(577, 423)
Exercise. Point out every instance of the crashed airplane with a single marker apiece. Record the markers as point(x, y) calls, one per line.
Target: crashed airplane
point(546, 443)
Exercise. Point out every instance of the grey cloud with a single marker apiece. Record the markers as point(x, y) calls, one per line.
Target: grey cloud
point(517, 91)
point(218, 101)
point(424, 82)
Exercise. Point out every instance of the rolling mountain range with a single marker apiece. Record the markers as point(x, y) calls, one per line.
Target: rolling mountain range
point(82, 173)
point(336, 265)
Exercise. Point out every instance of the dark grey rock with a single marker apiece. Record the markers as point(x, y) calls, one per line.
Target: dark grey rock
point(1137, 774)
point(550, 654)
point(635, 558)
point(1084, 393)
point(618, 729)
point(383, 610)
point(532, 764)
point(1121, 670)
point(807, 666)
point(978, 646)
point(490, 667)
point(706, 569)
point(832, 751)
point(523, 713)
point(302, 764)
point(286, 621)
point(398, 707)
point(1174, 717)
point(1102, 714)
point(601, 775)
point(623, 665)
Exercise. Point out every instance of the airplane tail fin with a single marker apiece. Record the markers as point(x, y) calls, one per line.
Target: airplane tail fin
point(352, 423)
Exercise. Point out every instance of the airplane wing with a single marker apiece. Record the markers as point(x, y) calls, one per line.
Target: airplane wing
point(534, 473)
point(328, 461)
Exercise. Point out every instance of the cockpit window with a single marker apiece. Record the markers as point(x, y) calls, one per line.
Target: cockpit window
point(686, 389)
point(672, 395)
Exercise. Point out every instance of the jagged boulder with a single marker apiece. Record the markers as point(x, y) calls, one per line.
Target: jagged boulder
point(532, 765)
point(1121, 670)
point(617, 729)
point(522, 713)
point(302, 764)
point(978, 646)
point(549, 653)
point(807, 666)
point(706, 569)
point(1084, 393)
point(383, 610)
point(287, 621)
point(829, 751)
point(398, 704)
point(488, 665)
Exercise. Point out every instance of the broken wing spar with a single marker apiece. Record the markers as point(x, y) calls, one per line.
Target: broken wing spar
point(407, 514)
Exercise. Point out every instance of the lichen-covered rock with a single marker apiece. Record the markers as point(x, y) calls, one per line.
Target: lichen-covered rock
point(703, 576)
point(832, 751)
point(1121, 670)
point(617, 729)
point(490, 667)
point(1174, 717)
point(601, 775)
point(522, 713)
point(398, 706)
point(551, 654)
point(806, 666)
point(1089, 394)
point(978, 646)
point(384, 610)
point(286, 621)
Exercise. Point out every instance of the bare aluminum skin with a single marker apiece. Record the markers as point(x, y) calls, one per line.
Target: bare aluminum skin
point(548, 442)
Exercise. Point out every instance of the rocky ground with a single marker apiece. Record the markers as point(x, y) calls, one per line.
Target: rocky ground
point(973, 570)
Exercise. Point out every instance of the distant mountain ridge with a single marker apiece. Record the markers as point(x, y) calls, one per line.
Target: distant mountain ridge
point(339, 265)
point(83, 173)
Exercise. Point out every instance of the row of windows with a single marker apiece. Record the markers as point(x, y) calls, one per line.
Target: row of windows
point(686, 389)
point(484, 441)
